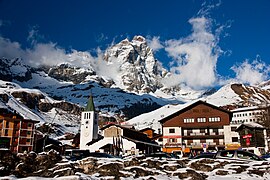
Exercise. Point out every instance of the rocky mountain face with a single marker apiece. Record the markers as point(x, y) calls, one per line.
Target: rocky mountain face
point(66, 72)
point(14, 69)
point(139, 71)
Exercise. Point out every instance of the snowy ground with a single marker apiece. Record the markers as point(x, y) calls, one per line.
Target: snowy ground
point(232, 168)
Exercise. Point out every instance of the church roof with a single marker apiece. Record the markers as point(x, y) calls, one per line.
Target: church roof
point(90, 104)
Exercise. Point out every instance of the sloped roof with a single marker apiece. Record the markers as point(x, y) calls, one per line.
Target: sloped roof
point(142, 142)
point(90, 104)
point(130, 133)
point(95, 140)
point(188, 106)
point(250, 125)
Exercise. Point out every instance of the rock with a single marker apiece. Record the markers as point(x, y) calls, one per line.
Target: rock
point(222, 172)
point(7, 162)
point(111, 169)
point(151, 163)
point(64, 172)
point(257, 171)
point(183, 162)
point(66, 72)
point(132, 162)
point(88, 165)
point(239, 168)
point(201, 165)
point(221, 164)
point(140, 172)
point(172, 167)
point(191, 174)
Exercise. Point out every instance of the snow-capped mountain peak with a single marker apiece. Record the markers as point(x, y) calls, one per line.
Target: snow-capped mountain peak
point(138, 70)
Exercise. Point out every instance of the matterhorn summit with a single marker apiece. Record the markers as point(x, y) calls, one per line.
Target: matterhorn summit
point(136, 68)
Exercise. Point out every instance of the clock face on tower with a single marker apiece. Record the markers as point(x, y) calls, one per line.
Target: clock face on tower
point(86, 134)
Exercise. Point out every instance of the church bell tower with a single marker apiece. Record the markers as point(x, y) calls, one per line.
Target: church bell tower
point(89, 124)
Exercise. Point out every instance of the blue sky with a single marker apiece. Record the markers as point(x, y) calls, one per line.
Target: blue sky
point(240, 52)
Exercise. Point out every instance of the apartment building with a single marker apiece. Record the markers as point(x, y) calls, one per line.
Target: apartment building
point(196, 126)
point(19, 131)
point(246, 116)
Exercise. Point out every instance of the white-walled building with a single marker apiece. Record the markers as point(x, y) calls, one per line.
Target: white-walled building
point(89, 124)
point(249, 116)
point(116, 139)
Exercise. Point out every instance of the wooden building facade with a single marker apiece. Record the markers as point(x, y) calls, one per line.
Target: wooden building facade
point(198, 125)
point(19, 131)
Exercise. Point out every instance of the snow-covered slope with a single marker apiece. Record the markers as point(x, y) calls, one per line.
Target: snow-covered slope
point(239, 95)
point(29, 102)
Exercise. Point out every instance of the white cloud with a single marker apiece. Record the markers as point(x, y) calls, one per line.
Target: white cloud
point(154, 43)
point(10, 49)
point(195, 57)
point(251, 73)
point(33, 35)
point(45, 54)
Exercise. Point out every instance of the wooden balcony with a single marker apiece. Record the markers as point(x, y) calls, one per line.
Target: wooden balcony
point(203, 136)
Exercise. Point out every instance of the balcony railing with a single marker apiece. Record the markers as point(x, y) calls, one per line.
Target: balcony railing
point(204, 134)
point(173, 145)
point(208, 143)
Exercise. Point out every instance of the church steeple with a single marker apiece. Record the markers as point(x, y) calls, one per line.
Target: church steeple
point(90, 104)
point(89, 124)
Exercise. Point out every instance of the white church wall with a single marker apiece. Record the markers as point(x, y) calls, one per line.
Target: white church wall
point(89, 128)
point(128, 146)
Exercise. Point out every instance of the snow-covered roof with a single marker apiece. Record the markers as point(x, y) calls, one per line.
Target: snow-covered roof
point(246, 108)
point(251, 125)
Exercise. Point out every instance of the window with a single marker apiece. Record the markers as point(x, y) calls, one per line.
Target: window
point(201, 119)
point(234, 139)
point(29, 132)
point(215, 130)
point(233, 128)
point(29, 124)
point(28, 140)
point(246, 155)
point(171, 130)
point(188, 120)
point(15, 132)
point(202, 130)
point(6, 132)
point(7, 124)
point(214, 119)
point(16, 125)
point(189, 131)
point(172, 140)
